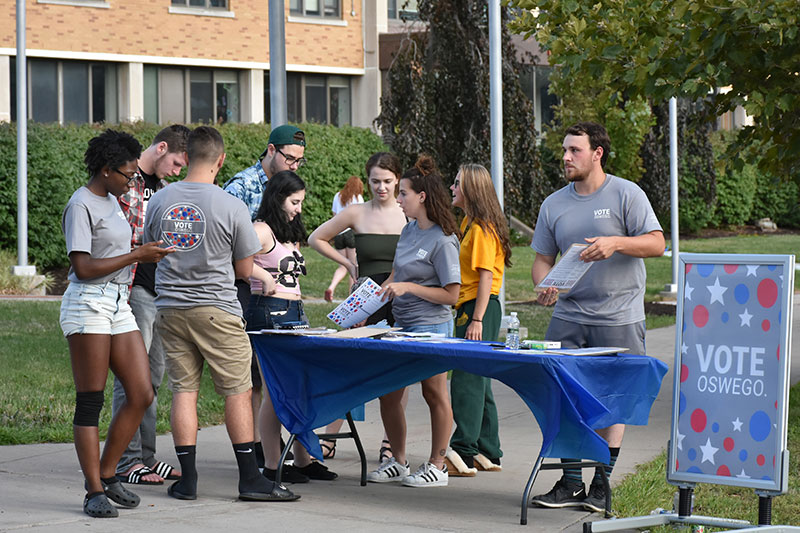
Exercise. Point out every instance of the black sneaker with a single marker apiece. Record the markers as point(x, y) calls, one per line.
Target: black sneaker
point(563, 494)
point(315, 470)
point(290, 474)
point(596, 500)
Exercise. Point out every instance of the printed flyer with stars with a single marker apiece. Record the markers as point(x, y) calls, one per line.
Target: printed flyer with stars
point(732, 364)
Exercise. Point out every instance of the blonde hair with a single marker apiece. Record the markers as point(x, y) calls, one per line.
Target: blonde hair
point(481, 205)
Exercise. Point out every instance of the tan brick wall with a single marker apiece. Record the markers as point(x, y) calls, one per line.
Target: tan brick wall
point(145, 27)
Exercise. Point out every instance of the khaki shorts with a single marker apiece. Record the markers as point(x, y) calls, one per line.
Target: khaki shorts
point(191, 336)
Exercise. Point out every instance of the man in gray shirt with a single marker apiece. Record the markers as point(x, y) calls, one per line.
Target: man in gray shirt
point(199, 317)
point(606, 308)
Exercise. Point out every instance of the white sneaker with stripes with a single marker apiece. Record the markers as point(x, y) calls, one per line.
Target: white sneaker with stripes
point(427, 475)
point(389, 471)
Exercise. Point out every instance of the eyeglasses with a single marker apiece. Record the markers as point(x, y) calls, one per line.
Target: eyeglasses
point(133, 177)
point(299, 161)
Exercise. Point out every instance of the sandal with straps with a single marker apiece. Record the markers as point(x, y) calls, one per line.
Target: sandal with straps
point(385, 453)
point(328, 448)
point(165, 470)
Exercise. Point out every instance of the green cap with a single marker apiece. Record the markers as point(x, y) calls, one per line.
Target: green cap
point(287, 134)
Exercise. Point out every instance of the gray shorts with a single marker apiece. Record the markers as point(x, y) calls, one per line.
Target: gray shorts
point(573, 335)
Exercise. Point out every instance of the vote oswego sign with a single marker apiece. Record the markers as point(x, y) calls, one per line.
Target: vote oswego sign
point(732, 361)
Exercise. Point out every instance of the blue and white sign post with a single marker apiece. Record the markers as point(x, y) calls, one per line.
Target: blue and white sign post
point(731, 392)
point(732, 368)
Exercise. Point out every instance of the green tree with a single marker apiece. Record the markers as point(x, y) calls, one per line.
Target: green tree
point(690, 48)
point(438, 101)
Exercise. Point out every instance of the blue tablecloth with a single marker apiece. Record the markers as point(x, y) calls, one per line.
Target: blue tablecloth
point(313, 380)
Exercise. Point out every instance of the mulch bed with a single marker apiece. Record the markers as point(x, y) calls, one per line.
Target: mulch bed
point(59, 284)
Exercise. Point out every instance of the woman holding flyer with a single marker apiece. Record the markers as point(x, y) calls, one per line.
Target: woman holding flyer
point(98, 322)
point(275, 302)
point(427, 253)
point(377, 225)
point(485, 252)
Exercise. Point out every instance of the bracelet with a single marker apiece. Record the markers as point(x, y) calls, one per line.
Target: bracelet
point(476, 320)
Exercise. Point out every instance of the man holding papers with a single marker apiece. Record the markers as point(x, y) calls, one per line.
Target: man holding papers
point(606, 306)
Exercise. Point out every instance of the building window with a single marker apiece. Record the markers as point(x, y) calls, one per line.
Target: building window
point(178, 95)
point(313, 98)
point(316, 8)
point(535, 81)
point(402, 9)
point(202, 4)
point(70, 91)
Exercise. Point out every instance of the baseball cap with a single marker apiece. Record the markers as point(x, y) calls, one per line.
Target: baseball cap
point(285, 134)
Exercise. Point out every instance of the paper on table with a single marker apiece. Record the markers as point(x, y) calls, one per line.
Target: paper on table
point(566, 273)
point(588, 351)
point(300, 331)
point(358, 306)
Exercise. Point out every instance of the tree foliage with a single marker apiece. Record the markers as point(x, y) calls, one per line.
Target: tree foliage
point(438, 101)
point(688, 48)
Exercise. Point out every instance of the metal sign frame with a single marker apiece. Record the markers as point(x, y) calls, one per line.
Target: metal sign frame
point(702, 354)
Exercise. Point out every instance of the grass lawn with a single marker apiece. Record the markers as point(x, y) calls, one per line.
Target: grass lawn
point(37, 395)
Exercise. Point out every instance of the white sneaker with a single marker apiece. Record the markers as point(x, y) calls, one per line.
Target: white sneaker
point(427, 476)
point(391, 470)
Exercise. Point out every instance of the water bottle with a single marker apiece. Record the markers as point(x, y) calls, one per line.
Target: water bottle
point(512, 335)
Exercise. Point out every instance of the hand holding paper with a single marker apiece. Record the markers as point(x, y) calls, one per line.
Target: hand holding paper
point(566, 273)
point(357, 307)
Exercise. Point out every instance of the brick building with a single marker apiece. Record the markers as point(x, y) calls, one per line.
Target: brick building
point(207, 61)
point(191, 60)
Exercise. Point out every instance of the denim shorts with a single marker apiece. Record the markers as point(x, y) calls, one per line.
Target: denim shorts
point(96, 308)
point(445, 327)
point(267, 312)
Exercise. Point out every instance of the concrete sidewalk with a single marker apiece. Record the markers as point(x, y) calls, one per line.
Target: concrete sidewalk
point(41, 487)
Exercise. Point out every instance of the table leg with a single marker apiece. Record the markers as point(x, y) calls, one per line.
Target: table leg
point(523, 517)
point(279, 471)
point(359, 447)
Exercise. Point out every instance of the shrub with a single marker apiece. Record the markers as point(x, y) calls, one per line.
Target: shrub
point(56, 170)
point(746, 194)
point(736, 187)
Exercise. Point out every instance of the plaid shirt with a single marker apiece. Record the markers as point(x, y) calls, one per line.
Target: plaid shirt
point(133, 205)
point(248, 186)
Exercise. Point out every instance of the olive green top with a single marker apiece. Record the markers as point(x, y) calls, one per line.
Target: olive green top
point(375, 253)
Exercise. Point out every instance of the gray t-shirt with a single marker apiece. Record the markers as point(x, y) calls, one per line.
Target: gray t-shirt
point(96, 225)
point(429, 258)
point(611, 293)
point(210, 229)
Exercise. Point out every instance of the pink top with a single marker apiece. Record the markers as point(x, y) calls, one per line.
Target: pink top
point(285, 264)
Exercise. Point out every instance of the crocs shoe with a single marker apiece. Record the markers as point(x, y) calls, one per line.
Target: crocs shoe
point(427, 475)
point(120, 495)
point(389, 471)
point(97, 505)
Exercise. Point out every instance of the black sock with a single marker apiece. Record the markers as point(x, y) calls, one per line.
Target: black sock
point(598, 477)
point(188, 482)
point(250, 480)
point(259, 454)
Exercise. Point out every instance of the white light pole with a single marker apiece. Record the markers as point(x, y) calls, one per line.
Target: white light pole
point(22, 268)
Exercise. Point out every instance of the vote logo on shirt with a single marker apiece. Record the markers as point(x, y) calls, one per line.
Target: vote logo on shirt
point(183, 226)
